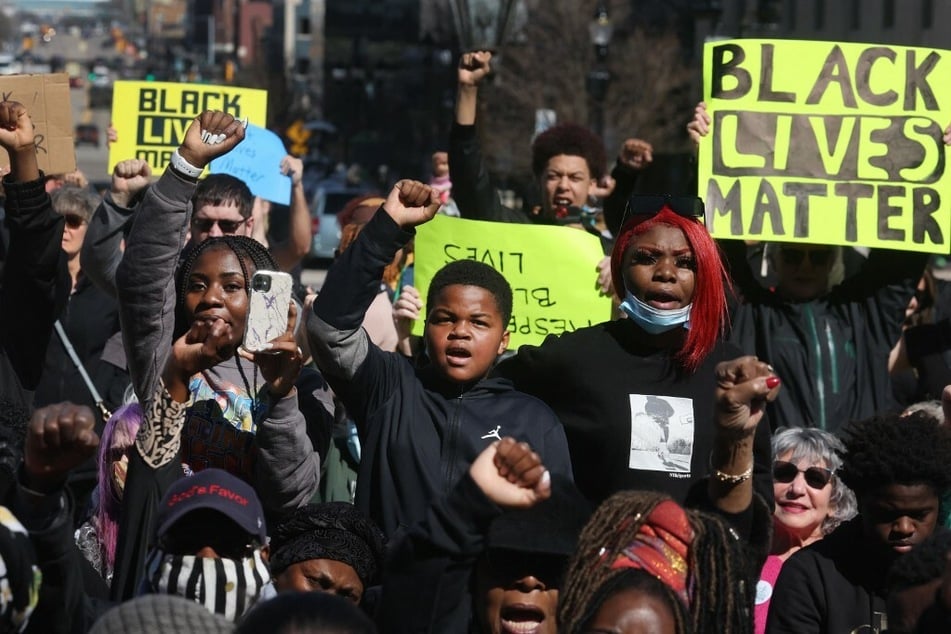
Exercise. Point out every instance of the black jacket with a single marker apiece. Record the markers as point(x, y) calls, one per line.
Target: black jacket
point(30, 296)
point(832, 352)
point(418, 432)
point(834, 585)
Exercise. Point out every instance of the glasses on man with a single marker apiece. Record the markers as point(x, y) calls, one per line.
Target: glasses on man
point(652, 204)
point(74, 222)
point(816, 477)
point(204, 225)
point(794, 257)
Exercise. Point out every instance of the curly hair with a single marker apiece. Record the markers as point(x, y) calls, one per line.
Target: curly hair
point(891, 449)
point(473, 273)
point(709, 315)
point(570, 139)
point(721, 582)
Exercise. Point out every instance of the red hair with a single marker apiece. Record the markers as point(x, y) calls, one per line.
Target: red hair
point(709, 314)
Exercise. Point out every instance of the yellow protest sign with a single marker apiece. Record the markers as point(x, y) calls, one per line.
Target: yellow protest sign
point(827, 142)
point(151, 117)
point(552, 271)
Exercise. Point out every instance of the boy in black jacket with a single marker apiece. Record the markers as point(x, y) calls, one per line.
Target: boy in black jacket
point(420, 429)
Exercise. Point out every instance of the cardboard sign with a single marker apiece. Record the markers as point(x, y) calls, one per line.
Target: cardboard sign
point(552, 270)
point(257, 161)
point(151, 117)
point(827, 143)
point(47, 99)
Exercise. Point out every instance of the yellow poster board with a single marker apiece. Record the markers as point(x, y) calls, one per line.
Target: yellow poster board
point(552, 270)
point(826, 142)
point(151, 117)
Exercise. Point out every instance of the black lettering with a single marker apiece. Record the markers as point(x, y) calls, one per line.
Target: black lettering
point(487, 259)
point(731, 204)
point(523, 291)
point(39, 144)
point(518, 258)
point(541, 326)
point(916, 80)
point(925, 202)
point(834, 69)
point(886, 211)
point(543, 297)
point(766, 92)
point(852, 192)
point(802, 192)
point(190, 102)
point(6, 96)
point(229, 104)
point(722, 68)
point(147, 99)
point(449, 251)
point(767, 202)
point(863, 72)
point(525, 328)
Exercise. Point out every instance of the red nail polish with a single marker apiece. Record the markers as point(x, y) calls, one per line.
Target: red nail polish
point(772, 382)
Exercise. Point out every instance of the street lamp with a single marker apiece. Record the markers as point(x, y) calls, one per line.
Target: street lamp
point(483, 24)
point(600, 31)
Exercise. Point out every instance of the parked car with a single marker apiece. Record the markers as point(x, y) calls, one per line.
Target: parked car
point(86, 134)
point(328, 200)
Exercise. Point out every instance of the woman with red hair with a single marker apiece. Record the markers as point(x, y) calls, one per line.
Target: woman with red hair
point(636, 394)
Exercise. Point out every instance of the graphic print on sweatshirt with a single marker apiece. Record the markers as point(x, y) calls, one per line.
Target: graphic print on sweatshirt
point(661, 433)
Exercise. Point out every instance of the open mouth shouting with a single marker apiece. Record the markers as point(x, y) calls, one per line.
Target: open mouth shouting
point(521, 618)
point(662, 299)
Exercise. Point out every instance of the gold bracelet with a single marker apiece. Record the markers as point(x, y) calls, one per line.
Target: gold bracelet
point(729, 478)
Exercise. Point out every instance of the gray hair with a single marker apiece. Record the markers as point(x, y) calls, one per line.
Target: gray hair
point(932, 408)
point(818, 446)
point(73, 200)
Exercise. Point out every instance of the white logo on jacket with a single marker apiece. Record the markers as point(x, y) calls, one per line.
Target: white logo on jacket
point(494, 433)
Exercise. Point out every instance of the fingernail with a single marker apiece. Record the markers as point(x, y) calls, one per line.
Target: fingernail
point(772, 382)
point(546, 479)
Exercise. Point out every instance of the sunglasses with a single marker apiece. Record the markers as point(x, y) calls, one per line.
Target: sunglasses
point(816, 477)
point(204, 225)
point(74, 222)
point(794, 257)
point(651, 205)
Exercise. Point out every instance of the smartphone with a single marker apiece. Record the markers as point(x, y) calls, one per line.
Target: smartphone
point(267, 309)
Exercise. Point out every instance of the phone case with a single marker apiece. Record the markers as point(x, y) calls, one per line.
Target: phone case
point(267, 309)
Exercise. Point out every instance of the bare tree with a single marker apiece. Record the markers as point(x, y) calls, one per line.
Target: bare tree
point(651, 93)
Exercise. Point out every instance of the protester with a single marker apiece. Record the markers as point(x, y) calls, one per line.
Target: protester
point(811, 501)
point(97, 536)
point(420, 429)
point(490, 555)
point(568, 160)
point(644, 561)
point(634, 394)
point(285, 229)
point(211, 408)
point(330, 547)
point(160, 614)
point(919, 588)
point(30, 276)
point(897, 467)
point(829, 339)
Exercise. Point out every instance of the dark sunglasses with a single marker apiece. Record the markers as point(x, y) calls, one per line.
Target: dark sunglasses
point(204, 225)
point(74, 222)
point(651, 204)
point(794, 257)
point(816, 477)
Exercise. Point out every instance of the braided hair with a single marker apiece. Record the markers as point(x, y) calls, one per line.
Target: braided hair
point(715, 561)
point(246, 250)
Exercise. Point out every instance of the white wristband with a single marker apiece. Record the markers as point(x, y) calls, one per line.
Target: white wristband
point(182, 166)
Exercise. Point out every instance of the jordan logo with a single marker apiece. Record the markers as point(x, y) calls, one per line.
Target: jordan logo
point(494, 433)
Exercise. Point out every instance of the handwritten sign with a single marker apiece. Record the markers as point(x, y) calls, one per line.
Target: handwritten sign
point(151, 118)
point(257, 161)
point(827, 143)
point(46, 97)
point(552, 271)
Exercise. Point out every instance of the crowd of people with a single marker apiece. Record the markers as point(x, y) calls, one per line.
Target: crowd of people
point(757, 442)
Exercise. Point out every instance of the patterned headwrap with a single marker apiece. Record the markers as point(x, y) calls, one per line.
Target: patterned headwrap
point(661, 548)
point(333, 530)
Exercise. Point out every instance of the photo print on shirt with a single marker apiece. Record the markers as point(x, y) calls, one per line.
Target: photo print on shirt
point(661, 433)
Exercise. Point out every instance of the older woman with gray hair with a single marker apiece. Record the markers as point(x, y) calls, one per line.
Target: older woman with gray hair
point(810, 501)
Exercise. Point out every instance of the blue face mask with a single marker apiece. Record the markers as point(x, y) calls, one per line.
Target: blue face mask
point(654, 320)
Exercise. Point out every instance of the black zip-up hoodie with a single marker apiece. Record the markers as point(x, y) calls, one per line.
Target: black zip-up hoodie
point(419, 432)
